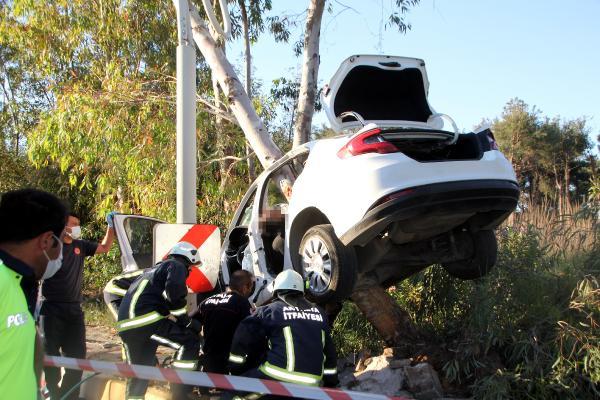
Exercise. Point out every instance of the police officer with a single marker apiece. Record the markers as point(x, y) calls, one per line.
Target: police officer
point(287, 340)
point(220, 315)
point(33, 225)
point(153, 312)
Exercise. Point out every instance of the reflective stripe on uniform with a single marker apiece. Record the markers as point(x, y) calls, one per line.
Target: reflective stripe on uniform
point(234, 358)
point(127, 356)
point(136, 322)
point(330, 371)
point(165, 341)
point(289, 348)
point(323, 337)
point(184, 364)
point(131, 274)
point(114, 289)
point(135, 298)
point(287, 376)
point(113, 312)
point(178, 312)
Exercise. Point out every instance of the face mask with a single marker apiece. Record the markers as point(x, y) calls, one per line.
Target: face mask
point(75, 232)
point(53, 265)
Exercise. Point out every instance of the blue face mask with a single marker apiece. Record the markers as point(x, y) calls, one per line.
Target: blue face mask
point(53, 265)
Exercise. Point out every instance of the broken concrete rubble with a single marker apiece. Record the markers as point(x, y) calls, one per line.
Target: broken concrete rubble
point(390, 375)
point(423, 382)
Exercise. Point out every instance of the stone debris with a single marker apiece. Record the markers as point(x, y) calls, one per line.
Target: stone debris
point(390, 375)
point(423, 382)
point(378, 377)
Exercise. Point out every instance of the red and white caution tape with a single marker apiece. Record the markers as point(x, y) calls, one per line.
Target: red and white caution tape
point(210, 380)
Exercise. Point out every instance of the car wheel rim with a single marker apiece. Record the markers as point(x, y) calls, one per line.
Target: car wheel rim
point(316, 264)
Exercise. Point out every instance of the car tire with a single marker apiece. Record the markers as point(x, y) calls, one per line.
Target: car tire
point(483, 260)
point(326, 264)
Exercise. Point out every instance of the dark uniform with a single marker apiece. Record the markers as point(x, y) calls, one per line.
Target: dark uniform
point(62, 316)
point(295, 343)
point(220, 315)
point(143, 324)
point(116, 288)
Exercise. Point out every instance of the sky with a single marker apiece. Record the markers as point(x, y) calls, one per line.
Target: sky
point(479, 53)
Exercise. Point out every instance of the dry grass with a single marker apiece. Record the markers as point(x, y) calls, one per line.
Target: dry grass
point(561, 235)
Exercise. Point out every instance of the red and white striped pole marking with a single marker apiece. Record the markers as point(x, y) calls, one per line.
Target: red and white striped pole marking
point(195, 378)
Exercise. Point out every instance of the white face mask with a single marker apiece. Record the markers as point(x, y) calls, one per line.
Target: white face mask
point(75, 232)
point(53, 265)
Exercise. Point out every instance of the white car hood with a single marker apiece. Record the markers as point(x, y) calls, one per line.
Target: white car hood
point(385, 90)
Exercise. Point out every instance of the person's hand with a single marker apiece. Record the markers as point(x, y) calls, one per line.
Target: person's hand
point(110, 219)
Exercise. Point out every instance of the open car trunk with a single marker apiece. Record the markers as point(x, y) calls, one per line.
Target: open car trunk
point(385, 90)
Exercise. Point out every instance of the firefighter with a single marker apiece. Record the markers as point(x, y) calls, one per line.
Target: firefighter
point(220, 315)
point(116, 288)
point(287, 340)
point(153, 313)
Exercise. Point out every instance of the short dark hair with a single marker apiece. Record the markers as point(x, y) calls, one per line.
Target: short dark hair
point(240, 278)
point(27, 213)
point(75, 214)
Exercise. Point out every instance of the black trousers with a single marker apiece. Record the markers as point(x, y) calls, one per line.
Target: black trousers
point(64, 335)
point(140, 348)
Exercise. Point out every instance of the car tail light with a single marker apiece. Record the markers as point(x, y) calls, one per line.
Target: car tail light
point(367, 142)
point(492, 141)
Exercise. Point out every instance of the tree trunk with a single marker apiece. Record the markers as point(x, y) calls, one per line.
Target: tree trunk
point(559, 190)
point(310, 72)
point(384, 313)
point(567, 177)
point(241, 105)
point(248, 59)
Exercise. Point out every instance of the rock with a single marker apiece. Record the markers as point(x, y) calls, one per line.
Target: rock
point(346, 378)
point(392, 352)
point(400, 363)
point(346, 362)
point(363, 355)
point(378, 377)
point(423, 382)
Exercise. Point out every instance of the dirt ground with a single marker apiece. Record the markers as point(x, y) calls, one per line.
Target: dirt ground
point(104, 344)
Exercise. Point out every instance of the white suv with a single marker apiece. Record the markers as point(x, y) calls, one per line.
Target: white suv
point(394, 196)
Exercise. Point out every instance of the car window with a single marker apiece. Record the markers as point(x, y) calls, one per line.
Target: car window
point(246, 214)
point(279, 181)
point(139, 233)
point(274, 196)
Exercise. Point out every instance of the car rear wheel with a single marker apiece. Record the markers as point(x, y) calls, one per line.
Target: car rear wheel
point(326, 264)
point(483, 260)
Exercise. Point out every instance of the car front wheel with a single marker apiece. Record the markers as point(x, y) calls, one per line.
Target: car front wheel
point(328, 266)
point(485, 252)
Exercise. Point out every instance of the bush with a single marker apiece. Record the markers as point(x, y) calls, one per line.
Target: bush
point(530, 329)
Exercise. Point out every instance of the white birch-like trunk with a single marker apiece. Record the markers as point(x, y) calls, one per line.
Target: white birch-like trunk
point(310, 72)
point(248, 59)
point(239, 101)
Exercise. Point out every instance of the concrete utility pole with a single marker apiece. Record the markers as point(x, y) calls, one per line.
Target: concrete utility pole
point(186, 116)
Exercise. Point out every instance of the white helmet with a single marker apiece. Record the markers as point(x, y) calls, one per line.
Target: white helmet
point(186, 250)
point(289, 280)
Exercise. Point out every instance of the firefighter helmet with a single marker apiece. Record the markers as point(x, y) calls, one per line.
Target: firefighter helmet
point(289, 280)
point(187, 251)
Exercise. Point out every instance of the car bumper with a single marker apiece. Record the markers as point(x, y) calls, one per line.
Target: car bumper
point(485, 202)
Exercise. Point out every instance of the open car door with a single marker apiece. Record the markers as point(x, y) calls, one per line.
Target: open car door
point(135, 234)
